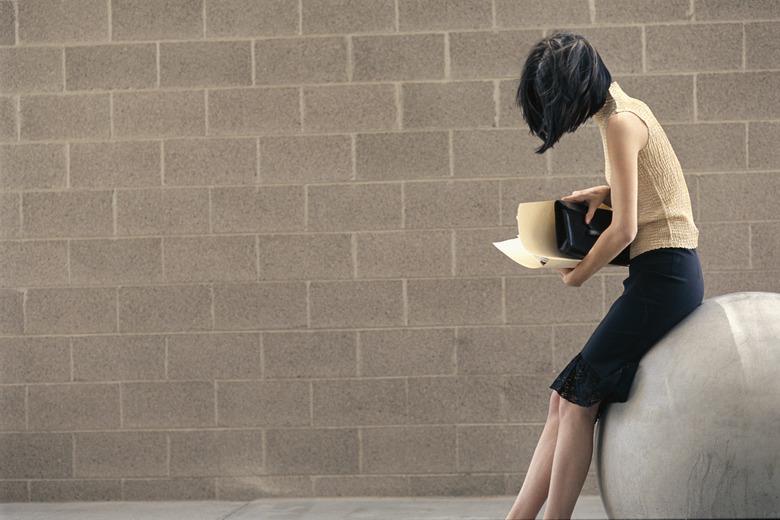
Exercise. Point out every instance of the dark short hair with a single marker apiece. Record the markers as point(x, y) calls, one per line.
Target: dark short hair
point(563, 83)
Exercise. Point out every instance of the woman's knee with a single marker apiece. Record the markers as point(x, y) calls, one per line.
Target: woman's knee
point(553, 405)
point(568, 409)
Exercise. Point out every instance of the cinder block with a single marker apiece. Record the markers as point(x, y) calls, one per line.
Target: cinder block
point(554, 302)
point(719, 10)
point(8, 118)
point(70, 310)
point(63, 21)
point(460, 484)
point(364, 303)
point(210, 161)
point(300, 159)
point(241, 306)
point(457, 399)
point(216, 63)
point(75, 490)
point(7, 23)
point(33, 262)
point(115, 164)
point(263, 403)
point(407, 352)
point(354, 206)
point(120, 454)
point(118, 357)
point(175, 113)
point(169, 489)
point(309, 256)
point(451, 301)
point(526, 398)
point(81, 406)
point(179, 404)
point(726, 245)
point(33, 166)
point(747, 196)
point(223, 452)
point(385, 156)
point(164, 308)
point(250, 488)
point(398, 57)
point(64, 116)
point(762, 150)
point(74, 213)
point(30, 69)
point(34, 359)
point(488, 54)
point(11, 315)
point(449, 203)
point(473, 258)
point(737, 95)
point(341, 108)
point(112, 261)
point(156, 19)
point(694, 47)
point(363, 485)
point(318, 59)
point(192, 259)
point(162, 211)
point(496, 448)
point(724, 282)
point(359, 402)
point(315, 450)
point(405, 450)
point(14, 490)
point(447, 105)
point(580, 154)
point(10, 215)
point(251, 18)
point(266, 110)
point(309, 354)
point(214, 356)
point(114, 66)
point(502, 152)
point(12, 408)
point(639, 11)
point(515, 349)
point(765, 245)
point(258, 209)
point(36, 455)
point(445, 14)
point(357, 16)
point(407, 253)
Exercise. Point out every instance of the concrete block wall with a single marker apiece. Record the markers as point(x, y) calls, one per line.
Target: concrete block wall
point(245, 245)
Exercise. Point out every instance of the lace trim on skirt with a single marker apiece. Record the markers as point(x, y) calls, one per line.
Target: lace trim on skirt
point(580, 384)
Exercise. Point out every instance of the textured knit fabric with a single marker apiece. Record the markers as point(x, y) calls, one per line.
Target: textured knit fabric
point(664, 214)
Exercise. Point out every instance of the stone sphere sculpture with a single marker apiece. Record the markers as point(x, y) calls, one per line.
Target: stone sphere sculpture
point(699, 436)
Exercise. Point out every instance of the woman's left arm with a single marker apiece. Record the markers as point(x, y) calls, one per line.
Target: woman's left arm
point(626, 135)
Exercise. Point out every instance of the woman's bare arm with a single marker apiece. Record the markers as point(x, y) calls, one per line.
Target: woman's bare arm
point(626, 134)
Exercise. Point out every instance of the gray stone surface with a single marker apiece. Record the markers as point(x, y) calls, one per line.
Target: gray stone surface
point(402, 508)
point(698, 437)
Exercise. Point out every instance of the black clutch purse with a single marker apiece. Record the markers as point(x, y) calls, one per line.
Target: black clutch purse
point(574, 237)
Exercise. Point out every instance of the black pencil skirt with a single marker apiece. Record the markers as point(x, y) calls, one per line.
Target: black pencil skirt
point(663, 286)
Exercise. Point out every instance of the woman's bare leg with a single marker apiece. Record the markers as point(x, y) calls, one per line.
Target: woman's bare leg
point(572, 457)
point(533, 492)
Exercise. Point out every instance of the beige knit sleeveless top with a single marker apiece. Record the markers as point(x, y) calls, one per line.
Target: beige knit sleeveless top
point(665, 217)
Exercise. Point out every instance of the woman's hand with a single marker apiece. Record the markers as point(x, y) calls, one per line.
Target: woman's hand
point(569, 277)
point(594, 197)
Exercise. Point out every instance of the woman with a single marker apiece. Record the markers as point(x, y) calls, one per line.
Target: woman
point(563, 84)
